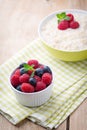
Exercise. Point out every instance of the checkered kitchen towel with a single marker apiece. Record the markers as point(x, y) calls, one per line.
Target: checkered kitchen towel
point(69, 88)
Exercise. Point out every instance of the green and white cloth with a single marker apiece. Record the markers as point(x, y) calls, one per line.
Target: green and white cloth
point(69, 88)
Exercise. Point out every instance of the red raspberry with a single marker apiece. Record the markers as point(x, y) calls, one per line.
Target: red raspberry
point(41, 66)
point(30, 72)
point(15, 80)
point(24, 78)
point(40, 86)
point(37, 78)
point(33, 62)
point(74, 24)
point(63, 25)
point(47, 78)
point(17, 72)
point(27, 88)
point(71, 17)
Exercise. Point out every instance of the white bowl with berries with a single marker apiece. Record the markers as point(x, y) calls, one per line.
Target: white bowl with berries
point(64, 34)
point(32, 83)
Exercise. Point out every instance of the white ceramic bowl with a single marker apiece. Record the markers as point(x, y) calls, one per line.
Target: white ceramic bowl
point(33, 99)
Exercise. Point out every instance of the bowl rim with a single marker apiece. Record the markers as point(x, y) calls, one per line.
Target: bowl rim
point(51, 15)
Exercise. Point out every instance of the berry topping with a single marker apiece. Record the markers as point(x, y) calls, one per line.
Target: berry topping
point(18, 88)
point(74, 24)
point(30, 72)
point(71, 17)
point(41, 66)
point(32, 81)
point(37, 78)
point(21, 65)
point(47, 78)
point(31, 77)
point(17, 72)
point(15, 80)
point(66, 21)
point(27, 88)
point(40, 86)
point(39, 72)
point(23, 70)
point(47, 69)
point(63, 25)
point(24, 78)
point(33, 63)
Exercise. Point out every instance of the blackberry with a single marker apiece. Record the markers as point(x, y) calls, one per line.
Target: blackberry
point(22, 71)
point(18, 88)
point(22, 65)
point(47, 69)
point(32, 81)
point(39, 72)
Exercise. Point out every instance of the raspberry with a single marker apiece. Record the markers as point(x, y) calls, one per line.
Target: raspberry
point(47, 78)
point(33, 62)
point(26, 87)
point(41, 66)
point(40, 86)
point(30, 72)
point(63, 25)
point(17, 72)
point(24, 78)
point(71, 17)
point(74, 24)
point(15, 80)
point(37, 78)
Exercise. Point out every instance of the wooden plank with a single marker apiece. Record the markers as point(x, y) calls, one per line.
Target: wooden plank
point(24, 125)
point(78, 4)
point(78, 119)
point(63, 126)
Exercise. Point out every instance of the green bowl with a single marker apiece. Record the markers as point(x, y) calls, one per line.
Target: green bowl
point(62, 54)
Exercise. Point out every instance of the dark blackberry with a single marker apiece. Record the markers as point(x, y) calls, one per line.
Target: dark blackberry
point(22, 65)
point(47, 69)
point(23, 71)
point(39, 72)
point(18, 88)
point(32, 81)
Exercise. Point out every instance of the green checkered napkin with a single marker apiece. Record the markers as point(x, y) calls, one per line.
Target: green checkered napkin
point(69, 88)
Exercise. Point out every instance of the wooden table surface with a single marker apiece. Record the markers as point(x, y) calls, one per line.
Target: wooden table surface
point(19, 20)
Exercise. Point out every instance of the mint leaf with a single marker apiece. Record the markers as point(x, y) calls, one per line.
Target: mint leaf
point(62, 16)
point(58, 15)
point(28, 67)
point(67, 18)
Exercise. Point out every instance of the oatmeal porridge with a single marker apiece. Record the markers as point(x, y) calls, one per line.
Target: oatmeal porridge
point(69, 39)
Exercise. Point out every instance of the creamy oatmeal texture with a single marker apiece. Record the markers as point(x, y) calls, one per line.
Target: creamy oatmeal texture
point(69, 39)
